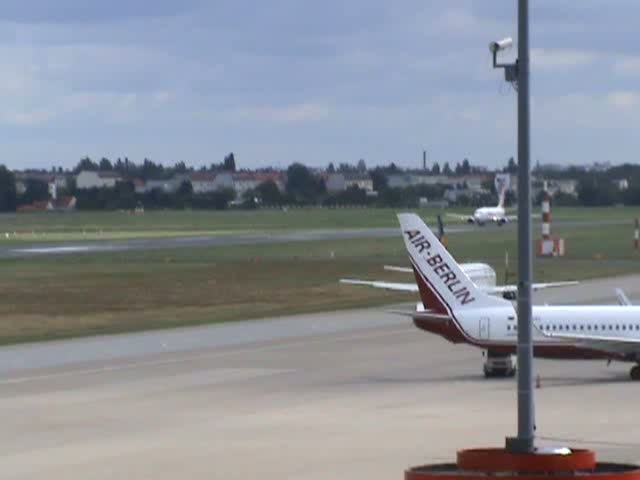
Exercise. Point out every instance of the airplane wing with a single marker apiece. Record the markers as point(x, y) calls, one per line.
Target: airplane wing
point(404, 287)
point(500, 289)
point(514, 218)
point(601, 343)
point(542, 286)
point(424, 315)
point(458, 216)
point(398, 269)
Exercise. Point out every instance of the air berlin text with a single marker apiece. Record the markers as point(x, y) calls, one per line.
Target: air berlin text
point(440, 267)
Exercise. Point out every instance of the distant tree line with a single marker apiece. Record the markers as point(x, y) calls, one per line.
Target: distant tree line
point(595, 187)
point(148, 169)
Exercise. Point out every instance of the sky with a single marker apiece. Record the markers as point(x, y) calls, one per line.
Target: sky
point(317, 82)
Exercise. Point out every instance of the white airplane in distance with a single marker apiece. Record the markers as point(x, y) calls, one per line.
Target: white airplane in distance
point(495, 214)
point(482, 275)
point(484, 215)
point(462, 313)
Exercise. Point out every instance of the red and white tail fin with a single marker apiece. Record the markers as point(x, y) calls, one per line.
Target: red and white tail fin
point(444, 286)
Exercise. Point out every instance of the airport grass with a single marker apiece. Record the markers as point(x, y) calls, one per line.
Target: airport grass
point(88, 226)
point(97, 293)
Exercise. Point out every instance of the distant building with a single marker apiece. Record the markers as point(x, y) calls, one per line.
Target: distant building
point(621, 184)
point(472, 182)
point(139, 185)
point(62, 204)
point(339, 182)
point(565, 186)
point(244, 181)
point(166, 186)
point(203, 182)
point(90, 179)
point(58, 179)
point(335, 182)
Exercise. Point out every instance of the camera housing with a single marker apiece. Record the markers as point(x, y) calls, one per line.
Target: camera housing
point(501, 45)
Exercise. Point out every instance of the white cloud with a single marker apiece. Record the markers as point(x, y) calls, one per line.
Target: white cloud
point(623, 100)
point(561, 59)
point(628, 65)
point(297, 113)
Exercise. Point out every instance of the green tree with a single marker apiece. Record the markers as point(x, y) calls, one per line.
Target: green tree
point(331, 168)
point(8, 195)
point(302, 185)
point(269, 193)
point(446, 169)
point(436, 169)
point(35, 191)
point(229, 163)
point(105, 164)
point(86, 164)
point(379, 179)
point(466, 167)
point(512, 166)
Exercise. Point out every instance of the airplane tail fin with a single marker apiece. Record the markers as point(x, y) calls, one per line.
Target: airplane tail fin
point(501, 196)
point(444, 287)
point(502, 182)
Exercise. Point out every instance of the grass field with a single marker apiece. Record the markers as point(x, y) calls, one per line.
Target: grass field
point(55, 227)
point(81, 294)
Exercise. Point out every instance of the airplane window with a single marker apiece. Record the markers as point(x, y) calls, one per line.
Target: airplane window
point(581, 327)
point(610, 327)
point(617, 327)
point(589, 327)
point(595, 327)
point(624, 327)
point(554, 327)
point(574, 327)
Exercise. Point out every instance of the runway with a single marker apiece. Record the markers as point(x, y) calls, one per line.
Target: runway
point(341, 395)
point(45, 248)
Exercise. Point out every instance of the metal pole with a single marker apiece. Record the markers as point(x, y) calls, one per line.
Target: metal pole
point(525, 439)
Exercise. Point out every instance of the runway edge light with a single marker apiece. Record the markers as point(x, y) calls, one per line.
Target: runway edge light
point(520, 459)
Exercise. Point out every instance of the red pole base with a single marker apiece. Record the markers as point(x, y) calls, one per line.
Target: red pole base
point(484, 464)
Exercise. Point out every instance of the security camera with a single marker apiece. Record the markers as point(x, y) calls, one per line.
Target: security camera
point(500, 45)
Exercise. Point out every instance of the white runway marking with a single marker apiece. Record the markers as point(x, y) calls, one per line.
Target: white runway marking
point(70, 249)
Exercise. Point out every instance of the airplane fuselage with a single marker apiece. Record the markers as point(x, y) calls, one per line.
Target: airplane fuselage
point(496, 329)
point(488, 214)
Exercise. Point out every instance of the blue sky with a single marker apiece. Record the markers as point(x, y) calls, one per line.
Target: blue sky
point(285, 80)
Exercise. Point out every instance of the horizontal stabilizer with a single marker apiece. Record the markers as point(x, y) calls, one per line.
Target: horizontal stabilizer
point(393, 268)
point(622, 298)
point(401, 287)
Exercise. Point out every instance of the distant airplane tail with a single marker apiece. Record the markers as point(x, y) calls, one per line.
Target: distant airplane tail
point(444, 287)
point(502, 182)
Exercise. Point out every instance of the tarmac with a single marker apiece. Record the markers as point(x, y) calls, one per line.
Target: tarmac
point(340, 395)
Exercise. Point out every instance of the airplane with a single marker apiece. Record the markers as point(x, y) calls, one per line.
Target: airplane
point(484, 215)
point(460, 312)
point(495, 214)
point(481, 274)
